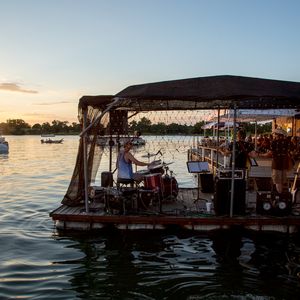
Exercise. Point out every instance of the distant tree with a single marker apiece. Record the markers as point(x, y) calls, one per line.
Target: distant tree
point(4, 128)
point(198, 128)
point(17, 126)
point(143, 125)
point(36, 129)
point(46, 128)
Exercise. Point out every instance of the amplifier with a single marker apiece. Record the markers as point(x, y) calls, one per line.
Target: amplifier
point(271, 203)
point(227, 174)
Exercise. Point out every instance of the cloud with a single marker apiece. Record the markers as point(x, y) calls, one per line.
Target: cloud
point(54, 103)
point(14, 87)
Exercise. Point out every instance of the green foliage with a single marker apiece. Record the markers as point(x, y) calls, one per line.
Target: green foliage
point(19, 127)
point(145, 126)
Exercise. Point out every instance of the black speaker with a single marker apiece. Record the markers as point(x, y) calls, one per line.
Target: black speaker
point(207, 183)
point(118, 122)
point(264, 203)
point(223, 195)
point(106, 179)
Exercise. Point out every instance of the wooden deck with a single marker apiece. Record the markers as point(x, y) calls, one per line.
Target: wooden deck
point(186, 212)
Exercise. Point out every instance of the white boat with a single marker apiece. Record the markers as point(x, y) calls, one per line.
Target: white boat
point(4, 147)
point(47, 135)
point(104, 140)
point(50, 141)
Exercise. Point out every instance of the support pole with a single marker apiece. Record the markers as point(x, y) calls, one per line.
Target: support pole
point(233, 161)
point(255, 136)
point(218, 139)
point(85, 163)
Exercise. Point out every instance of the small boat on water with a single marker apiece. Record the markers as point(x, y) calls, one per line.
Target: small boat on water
point(115, 140)
point(4, 147)
point(51, 141)
point(160, 200)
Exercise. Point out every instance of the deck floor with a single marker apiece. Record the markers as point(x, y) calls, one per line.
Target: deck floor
point(187, 210)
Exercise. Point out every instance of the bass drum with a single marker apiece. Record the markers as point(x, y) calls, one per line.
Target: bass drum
point(170, 186)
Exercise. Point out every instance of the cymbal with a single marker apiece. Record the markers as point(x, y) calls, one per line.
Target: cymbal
point(149, 155)
point(153, 167)
point(166, 164)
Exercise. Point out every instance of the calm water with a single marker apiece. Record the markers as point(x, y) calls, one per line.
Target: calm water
point(38, 263)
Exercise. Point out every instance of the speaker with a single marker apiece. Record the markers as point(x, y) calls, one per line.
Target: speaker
point(223, 195)
point(118, 122)
point(272, 203)
point(207, 183)
point(264, 203)
point(106, 179)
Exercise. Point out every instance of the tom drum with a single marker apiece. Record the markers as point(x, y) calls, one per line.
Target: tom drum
point(153, 181)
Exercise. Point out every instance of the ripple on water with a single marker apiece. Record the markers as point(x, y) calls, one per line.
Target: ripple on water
point(38, 263)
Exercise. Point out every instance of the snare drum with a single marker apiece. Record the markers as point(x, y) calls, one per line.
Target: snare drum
point(153, 181)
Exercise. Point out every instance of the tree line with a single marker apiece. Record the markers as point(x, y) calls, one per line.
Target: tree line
point(20, 127)
point(145, 126)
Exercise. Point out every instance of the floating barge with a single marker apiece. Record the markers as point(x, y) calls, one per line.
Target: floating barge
point(90, 205)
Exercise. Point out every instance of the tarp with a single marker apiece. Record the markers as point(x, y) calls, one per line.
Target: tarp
point(210, 93)
point(257, 115)
point(211, 125)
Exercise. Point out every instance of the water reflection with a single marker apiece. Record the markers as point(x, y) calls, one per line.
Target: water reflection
point(168, 265)
point(36, 263)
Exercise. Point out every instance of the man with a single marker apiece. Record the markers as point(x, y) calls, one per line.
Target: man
point(124, 165)
point(243, 150)
point(280, 153)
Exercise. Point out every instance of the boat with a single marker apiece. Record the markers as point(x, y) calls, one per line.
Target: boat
point(51, 141)
point(4, 147)
point(160, 201)
point(116, 140)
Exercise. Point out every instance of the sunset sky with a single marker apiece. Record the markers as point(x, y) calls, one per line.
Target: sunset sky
point(55, 51)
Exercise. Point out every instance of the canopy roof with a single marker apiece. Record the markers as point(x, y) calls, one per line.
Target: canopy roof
point(222, 124)
point(204, 93)
point(258, 115)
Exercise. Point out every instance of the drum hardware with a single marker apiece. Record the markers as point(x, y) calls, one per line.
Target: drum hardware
point(148, 155)
point(170, 185)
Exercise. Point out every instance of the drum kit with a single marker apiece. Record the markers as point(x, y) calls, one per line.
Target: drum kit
point(159, 182)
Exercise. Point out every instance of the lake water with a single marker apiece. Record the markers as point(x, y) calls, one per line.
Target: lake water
point(39, 263)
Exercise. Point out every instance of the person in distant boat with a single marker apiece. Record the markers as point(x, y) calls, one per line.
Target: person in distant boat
point(243, 151)
point(124, 165)
point(280, 152)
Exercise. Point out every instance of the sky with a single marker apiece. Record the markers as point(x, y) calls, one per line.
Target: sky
point(52, 52)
